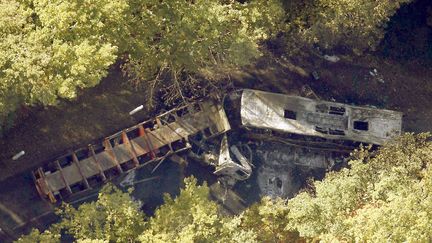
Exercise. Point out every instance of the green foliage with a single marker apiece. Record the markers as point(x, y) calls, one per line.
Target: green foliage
point(49, 49)
point(36, 237)
point(193, 217)
point(114, 217)
point(268, 220)
point(357, 25)
point(383, 198)
point(190, 216)
point(203, 37)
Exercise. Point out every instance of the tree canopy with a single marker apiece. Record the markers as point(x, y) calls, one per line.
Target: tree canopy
point(115, 217)
point(205, 38)
point(353, 25)
point(386, 197)
point(193, 217)
point(51, 49)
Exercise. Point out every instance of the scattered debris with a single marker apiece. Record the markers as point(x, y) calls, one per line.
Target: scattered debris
point(315, 75)
point(332, 58)
point(145, 180)
point(307, 91)
point(374, 73)
point(18, 155)
point(128, 179)
point(280, 164)
point(231, 202)
point(232, 168)
point(136, 110)
point(226, 165)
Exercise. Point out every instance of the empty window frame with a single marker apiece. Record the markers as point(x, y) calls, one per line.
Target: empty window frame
point(361, 125)
point(336, 132)
point(321, 130)
point(289, 114)
point(334, 110)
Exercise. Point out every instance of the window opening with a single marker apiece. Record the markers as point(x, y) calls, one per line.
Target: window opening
point(337, 110)
point(290, 114)
point(321, 130)
point(361, 125)
point(336, 132)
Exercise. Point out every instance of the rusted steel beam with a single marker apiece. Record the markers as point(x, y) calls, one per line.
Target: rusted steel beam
point(130, 147)
point(50, 194)
point(110, 151)
point(143, 133)
point(43, 186)
point(76, 161)
point(59, 168)
point(93, 154)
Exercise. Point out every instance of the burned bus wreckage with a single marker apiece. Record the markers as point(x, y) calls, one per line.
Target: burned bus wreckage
point(274, 134)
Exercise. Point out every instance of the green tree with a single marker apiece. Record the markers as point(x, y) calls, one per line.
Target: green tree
point(384, 197)
point(49, 49)
point(357, 25)
point(268, 220)
point(36, 236)
point(193, 217)
point(186, 40)
point(114, 217)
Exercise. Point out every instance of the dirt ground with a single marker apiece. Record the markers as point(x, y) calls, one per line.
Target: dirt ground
point(103, 110)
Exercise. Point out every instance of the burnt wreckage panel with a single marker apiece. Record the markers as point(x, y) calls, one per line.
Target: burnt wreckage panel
point(299, 115)
point(201, 129)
